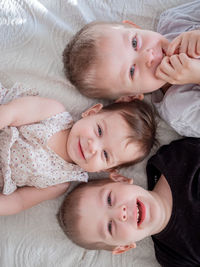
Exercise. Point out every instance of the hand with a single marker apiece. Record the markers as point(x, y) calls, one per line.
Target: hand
point(187, 42)
point(179, 69)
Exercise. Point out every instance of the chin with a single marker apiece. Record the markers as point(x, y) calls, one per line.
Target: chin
point(158, 86)
point(88, 169)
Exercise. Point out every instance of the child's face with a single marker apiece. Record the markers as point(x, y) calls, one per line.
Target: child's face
point(128, 60)
point(99, 141)
point(117, 214)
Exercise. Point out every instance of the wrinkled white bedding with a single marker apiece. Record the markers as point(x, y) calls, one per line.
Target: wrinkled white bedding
point(33, 35)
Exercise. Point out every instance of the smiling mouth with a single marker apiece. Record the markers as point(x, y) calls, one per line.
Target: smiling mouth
point(140, 212)
point(80, 149)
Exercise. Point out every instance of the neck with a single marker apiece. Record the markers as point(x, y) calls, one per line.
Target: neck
point(163, 195)
point(67, 157)
point(165, 87)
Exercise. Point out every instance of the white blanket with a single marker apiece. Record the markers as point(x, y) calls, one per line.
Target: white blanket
point(33, 35)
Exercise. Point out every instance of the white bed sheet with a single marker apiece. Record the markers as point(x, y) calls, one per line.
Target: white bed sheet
point(33, 35)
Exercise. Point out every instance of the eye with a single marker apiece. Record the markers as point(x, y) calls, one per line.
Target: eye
point(105, 155)
point(110, 227)
point(99, 130)
point(134, 43)
point(109, 200)
point(132, 70)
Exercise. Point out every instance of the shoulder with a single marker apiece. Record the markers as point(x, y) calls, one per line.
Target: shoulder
point(179, 19)
point(188, 10)
point(180, 108)
point(51, 105)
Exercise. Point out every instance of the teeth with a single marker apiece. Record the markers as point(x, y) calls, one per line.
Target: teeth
point(138, 213)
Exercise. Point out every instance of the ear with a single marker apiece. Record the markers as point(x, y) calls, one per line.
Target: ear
point(122, 249)
point(130, 98)
point(93, 110)
point(131, 23)
point(116, 177)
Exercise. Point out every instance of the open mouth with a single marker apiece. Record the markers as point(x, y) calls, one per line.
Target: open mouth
point(140, 212)
point(80, 149)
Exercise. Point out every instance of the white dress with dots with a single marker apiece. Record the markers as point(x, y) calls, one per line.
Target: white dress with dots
point(24, 155)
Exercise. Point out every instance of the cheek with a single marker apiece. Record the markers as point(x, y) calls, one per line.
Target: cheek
point(94, 165)
point(125, 233)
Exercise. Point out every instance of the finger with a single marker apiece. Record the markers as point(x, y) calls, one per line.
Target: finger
point(183, 45)
point(165, 71)
point(162, 75)
point(166, 66)
point(175, 63)
point(198, 48)
point(192, 48)
point(184, 59)
point(174, 46)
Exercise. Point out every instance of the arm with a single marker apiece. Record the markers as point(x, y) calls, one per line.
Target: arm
point(27, 197)
point(28, 109)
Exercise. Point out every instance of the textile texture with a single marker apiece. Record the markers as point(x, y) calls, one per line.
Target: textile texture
point(33, 34)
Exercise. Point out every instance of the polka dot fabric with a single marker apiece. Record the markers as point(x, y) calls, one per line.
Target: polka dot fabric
point(25, 156)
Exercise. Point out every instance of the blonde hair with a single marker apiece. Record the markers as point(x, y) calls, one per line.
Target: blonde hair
point(80, 58)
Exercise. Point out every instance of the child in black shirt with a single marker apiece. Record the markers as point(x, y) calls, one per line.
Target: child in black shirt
point(114, 216)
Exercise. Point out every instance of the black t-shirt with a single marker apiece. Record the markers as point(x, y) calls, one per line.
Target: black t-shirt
point(179, 243)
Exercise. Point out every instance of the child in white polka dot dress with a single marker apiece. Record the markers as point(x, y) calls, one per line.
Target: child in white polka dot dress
point(42, 150)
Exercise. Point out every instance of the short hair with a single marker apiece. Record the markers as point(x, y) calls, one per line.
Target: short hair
point(69, 216)
point(140, 117)
point(80, 57)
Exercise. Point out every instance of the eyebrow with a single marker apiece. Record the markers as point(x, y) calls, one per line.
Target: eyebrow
point(125, 69)
point(128, 142)
point(100, 227)
point(112, 160)
point(101, 231)
point(122, 74)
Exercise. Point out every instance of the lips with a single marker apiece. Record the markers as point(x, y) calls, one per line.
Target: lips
point(141, 212)
point(80, 150)
point(158, 56)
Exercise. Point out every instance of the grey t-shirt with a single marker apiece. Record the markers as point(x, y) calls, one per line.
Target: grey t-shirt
point(180, 106)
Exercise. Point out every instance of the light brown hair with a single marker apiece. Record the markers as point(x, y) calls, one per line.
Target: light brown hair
point(81, 56)
point(69, 216)
point(140, 118)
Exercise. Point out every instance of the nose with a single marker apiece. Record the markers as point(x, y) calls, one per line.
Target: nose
point(123, 213)
point(148, 57)
point(91, 147)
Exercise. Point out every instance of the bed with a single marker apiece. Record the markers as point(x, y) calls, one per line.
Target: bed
point(33, 35)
